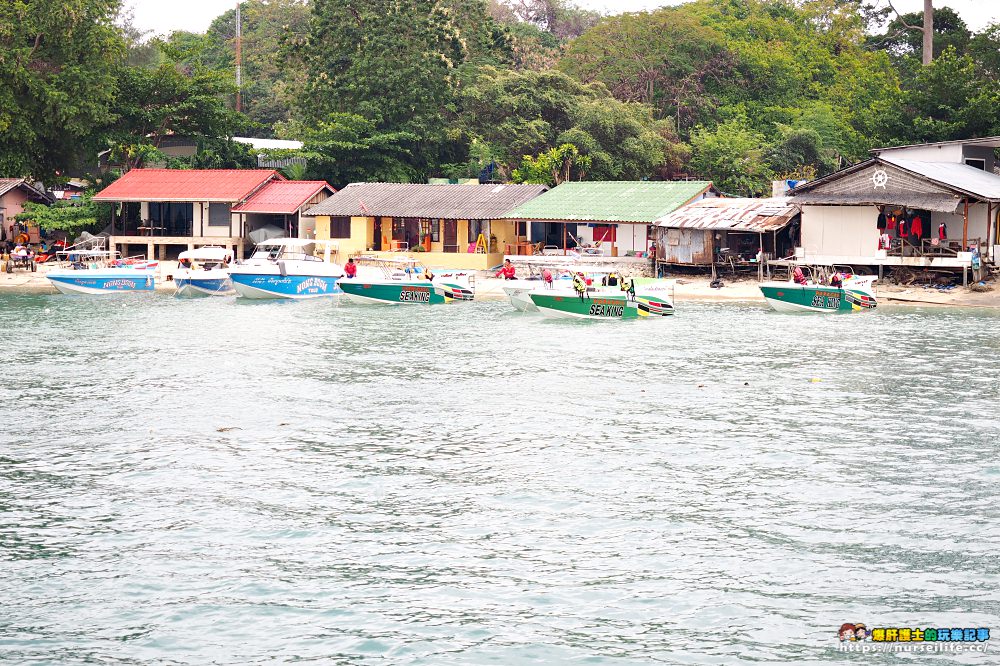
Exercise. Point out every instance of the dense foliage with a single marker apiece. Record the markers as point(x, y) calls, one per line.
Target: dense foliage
point(737, 91)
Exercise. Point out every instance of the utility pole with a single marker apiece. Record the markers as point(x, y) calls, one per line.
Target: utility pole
point(928, 31)
point(927, 28)
point(239, 59)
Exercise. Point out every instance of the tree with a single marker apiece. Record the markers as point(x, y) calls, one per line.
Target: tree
point(949, 101)
point(271, 80)
point(72, 216)
point(552, 167)
point(57, 63)
point(346, 148)
point(667, 59)
point(154, 103)
point(390, 62)
point(904, 37)
point(509, 114)
point(733, 157)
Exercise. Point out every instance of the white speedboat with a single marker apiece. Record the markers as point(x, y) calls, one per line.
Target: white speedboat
point(204, 271)
point(288, 268)
point(94, 270)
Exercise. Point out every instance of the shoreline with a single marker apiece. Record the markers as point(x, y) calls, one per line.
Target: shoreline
point(689, 288)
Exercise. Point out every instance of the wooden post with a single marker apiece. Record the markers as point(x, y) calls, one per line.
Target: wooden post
point(564, 237)
point(965, 226)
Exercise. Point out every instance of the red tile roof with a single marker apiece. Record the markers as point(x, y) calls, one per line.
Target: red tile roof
point(218, 185)
point(283, 196)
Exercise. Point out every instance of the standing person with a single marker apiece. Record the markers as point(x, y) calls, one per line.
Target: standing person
point(628, 286)
point(580, 285)
point(350, 268)
point(508, 271)
point(547, 278)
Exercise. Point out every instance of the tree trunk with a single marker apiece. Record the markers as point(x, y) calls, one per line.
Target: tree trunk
point(928, 31)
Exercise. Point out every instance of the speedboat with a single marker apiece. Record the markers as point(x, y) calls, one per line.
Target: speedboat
point(405, 282)
point(601, 305)
point(204, 272)
point(844, 291)
point(94, 270)
point(288, 268)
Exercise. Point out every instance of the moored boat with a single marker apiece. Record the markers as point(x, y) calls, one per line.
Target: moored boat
point(288, 268)
point(846, 292)
point(405, 282)
point(94, 270)
point(204, 271)
point(601, 305)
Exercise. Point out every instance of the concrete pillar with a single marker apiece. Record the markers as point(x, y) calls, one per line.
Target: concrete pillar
point(150, 251)
point(163, 253)
point(239, 251)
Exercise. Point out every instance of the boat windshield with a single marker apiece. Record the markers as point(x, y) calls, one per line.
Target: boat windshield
point(286, 252)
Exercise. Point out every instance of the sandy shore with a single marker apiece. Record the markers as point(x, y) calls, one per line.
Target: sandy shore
point(689, 288)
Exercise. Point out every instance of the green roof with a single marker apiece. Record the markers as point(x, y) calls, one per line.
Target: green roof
point(610, 201)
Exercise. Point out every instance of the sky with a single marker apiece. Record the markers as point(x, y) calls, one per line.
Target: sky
point(195, 15)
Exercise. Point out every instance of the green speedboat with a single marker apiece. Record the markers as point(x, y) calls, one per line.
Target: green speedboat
point(567, 305)
point(849, 293)
point(405, 292)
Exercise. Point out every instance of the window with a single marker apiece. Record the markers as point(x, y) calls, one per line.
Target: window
point(605, 233)
point(340, 227)
point(435, 231)
point(522, 229)
point(978, 163)
point(218, 215)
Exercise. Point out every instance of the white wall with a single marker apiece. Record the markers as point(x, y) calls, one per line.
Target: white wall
point(978, 223)
point(847, 231)
point(948, 153)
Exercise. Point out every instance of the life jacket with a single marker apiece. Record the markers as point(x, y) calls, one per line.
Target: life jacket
point(579, 284)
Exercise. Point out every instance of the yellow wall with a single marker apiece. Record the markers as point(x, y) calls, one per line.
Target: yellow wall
point(363, 235)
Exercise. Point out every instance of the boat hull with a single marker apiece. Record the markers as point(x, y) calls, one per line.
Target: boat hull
point(790, 297)
point(392, 292)
point(102, 282)
point(264, 286)
point(199, 283)
point(602, 306)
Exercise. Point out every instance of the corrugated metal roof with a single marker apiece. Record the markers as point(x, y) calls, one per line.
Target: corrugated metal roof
point(7, 184)
point(733, 214)
point(611, 201)
point(219, 185)
point(282, 196)
point(944, 203)
point(961, 177)
point(450, 202)
point(985, 142)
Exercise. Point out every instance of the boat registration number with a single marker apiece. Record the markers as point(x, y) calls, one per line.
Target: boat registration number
point(826, 300)
point(599, 310)
point(415, 296)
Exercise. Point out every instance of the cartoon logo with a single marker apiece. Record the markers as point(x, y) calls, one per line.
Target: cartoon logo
point(852, 632)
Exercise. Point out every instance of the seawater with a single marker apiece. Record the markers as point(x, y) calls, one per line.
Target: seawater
point(242, 482)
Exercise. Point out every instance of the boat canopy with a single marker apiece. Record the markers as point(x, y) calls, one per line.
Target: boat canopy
point(207, 253)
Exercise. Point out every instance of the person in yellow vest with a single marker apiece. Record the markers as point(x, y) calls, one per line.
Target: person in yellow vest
point(628, 287)
point(580, 285)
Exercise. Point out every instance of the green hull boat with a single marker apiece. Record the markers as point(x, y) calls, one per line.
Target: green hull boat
point(791, 297)
point(405, 292)
point(603, 306)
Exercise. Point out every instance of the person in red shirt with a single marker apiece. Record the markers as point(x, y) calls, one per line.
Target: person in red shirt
point(798, 276)
point(508, 271)
point(350, 268)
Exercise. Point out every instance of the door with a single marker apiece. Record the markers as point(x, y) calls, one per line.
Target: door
point(451, 235)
